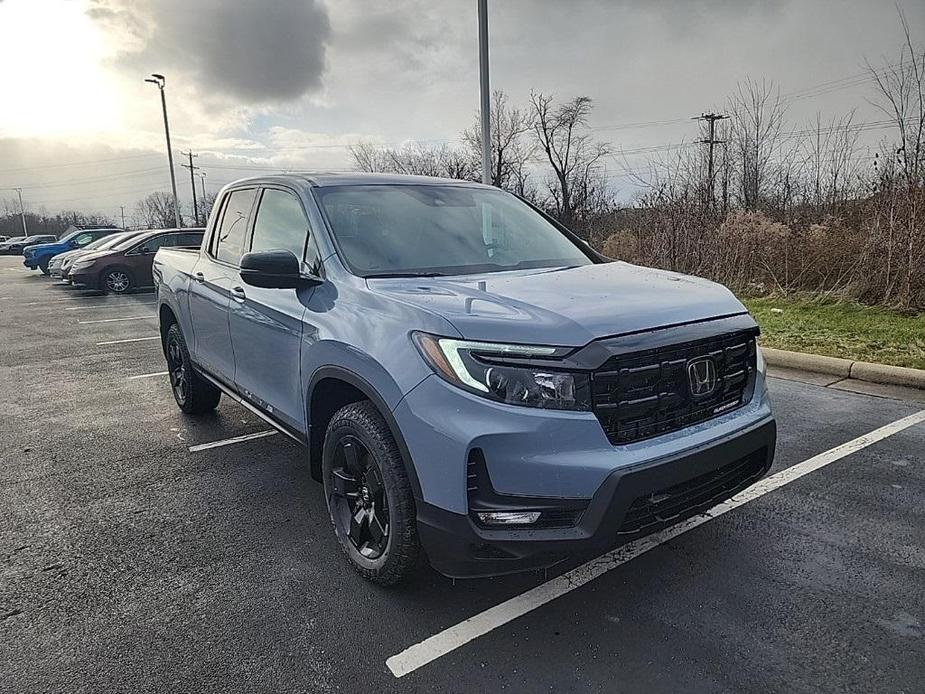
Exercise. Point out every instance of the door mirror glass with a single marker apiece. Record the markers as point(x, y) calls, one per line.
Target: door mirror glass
point(275, 269)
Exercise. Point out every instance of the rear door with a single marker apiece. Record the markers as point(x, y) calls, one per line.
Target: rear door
point(214, 275)
point(266, 324)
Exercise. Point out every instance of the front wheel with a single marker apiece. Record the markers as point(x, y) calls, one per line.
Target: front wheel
point(194, 394)
point(369, 496)
point(116, 280)
point(43, 265)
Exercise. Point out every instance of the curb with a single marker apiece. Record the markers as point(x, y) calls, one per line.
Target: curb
point(846, 368)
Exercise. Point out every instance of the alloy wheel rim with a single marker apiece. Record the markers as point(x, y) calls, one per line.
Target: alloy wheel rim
point(358, 500)
point(176, 367)
point(117, 281)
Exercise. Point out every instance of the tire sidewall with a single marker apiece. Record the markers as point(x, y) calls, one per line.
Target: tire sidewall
point(105, 274)
point(173, 333)
point(337, 430)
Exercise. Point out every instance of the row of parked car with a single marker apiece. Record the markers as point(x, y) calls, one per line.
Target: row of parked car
point(110, 260)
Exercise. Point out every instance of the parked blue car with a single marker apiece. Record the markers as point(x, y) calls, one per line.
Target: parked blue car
point(38, 257)
point(471, 380)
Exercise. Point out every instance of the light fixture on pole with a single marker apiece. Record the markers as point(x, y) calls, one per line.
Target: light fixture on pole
point(160, 81)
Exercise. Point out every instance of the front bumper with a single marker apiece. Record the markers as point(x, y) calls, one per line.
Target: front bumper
point(630, 503)
point(83, 279)
point(558, 460)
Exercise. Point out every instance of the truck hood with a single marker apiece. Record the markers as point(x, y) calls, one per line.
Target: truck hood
point(564, 307)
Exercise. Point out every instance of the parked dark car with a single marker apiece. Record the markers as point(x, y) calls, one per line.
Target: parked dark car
point(127, 266)
point(63, 261)
point(16, 246)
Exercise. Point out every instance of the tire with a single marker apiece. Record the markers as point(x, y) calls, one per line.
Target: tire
point(43, 265)
point(116, 280)
point(194, 394)
point(370, 482)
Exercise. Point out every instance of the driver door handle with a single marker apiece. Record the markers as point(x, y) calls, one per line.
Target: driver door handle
point(199, 277)
point(237, 293)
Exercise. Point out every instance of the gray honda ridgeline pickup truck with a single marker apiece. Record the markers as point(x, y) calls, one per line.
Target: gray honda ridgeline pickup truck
point(471, 380)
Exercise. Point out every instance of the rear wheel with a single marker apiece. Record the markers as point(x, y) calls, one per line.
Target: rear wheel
point(369, 496)
point(194, 394)
point(116, 280)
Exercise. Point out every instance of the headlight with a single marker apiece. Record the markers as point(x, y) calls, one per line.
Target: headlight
point(478, 368)
point(81, 264)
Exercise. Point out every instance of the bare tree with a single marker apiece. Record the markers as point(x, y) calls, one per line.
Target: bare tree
point(756, 129)
point(578, 185)
point(155, 211)
point(511, 150)
point(414, 159)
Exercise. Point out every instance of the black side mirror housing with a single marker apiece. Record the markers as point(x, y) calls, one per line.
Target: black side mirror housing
point(274, 270)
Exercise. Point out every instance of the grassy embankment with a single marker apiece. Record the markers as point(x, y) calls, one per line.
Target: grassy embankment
point(844, 330)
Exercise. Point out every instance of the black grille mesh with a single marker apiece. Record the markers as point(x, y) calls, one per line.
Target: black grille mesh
point(644, 394)
point(670, 505)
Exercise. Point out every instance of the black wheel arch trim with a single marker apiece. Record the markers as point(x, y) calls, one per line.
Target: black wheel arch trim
point(362, 385)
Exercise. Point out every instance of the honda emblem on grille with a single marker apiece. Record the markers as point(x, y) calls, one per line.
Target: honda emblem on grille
point(701, 374)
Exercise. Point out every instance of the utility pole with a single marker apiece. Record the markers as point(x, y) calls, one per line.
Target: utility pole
point(122, 209)
point(711, 141)
point(160, 81)
point(192, 182)
point(22, 212)
point(484, 91)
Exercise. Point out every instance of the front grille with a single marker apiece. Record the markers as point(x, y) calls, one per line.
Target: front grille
point(670, 505)
point(644, 394)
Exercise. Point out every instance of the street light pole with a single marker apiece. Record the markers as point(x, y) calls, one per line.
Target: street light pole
point(160, 81)
point(202, 180)
point(485, 91)
point(22, 212)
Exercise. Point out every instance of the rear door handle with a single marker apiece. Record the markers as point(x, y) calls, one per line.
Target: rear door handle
point(199, 277)
point(237, 293)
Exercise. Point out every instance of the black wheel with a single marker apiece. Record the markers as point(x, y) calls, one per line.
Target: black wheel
point(194, 394)
point(369, 496)
point(43, 265)
point(116, 280)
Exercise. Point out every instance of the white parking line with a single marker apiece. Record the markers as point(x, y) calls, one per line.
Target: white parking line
point(229, 442)
point(95, 308)
point(159, 373)
point(450, 639)
point(115, 320)
point(131, 339)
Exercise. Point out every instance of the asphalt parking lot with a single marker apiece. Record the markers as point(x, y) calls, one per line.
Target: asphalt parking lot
point(138, 556)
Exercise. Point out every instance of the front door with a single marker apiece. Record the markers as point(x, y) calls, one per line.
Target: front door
point(210, 288)
point(266, 324)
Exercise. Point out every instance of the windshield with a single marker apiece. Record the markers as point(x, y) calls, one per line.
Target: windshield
point(111, 241)
point(384, 230)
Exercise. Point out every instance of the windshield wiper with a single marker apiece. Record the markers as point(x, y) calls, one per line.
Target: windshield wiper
point(385, 275)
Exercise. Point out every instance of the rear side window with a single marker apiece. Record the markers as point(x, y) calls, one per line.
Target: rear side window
point(229, 245)
point(190, 238)
point(280, 223)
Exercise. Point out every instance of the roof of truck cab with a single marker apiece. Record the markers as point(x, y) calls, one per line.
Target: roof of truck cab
point(322, 179)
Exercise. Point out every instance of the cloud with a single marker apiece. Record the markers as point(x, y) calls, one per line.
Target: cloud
point(253, 53)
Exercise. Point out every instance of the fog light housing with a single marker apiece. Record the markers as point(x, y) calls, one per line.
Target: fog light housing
point(508, 517)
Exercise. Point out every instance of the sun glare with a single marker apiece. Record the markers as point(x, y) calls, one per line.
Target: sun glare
point(54, 80)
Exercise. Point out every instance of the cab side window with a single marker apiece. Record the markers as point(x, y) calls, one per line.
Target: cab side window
point(281, 225)
point(83, 239)
point(229, 241)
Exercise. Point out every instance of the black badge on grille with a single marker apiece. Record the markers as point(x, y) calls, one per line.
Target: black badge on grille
point(701, 375)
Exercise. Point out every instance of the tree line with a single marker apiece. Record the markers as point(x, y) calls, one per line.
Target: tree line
point(777, 206)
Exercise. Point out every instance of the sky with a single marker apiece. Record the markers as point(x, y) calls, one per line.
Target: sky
point(261, 85)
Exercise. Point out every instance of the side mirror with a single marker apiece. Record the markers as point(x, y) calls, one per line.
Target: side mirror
point(274, 270)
